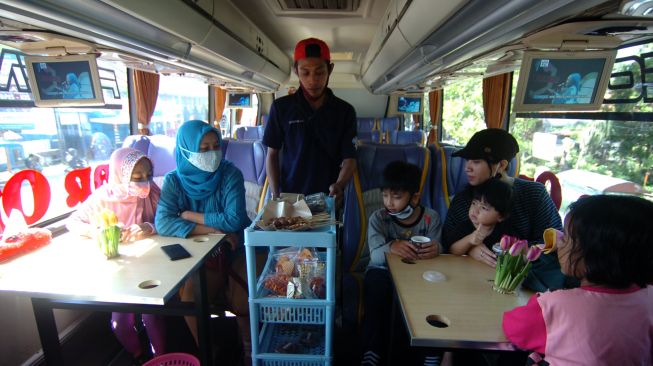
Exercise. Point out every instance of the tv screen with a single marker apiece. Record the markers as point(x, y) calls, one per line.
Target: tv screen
point(406, 103)
point(563, 81)
point(64, 81)
point(239, 100)
point(409, 104)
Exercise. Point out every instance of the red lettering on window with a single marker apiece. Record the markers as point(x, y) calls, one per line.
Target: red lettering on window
point(78, 186)
point(40, 191)
point(101, 175)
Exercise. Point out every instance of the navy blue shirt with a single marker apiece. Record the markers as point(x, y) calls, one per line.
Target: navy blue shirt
point(313, 143)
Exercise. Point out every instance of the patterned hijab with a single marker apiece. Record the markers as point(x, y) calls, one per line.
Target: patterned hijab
point(114, 195)
point(197, 183)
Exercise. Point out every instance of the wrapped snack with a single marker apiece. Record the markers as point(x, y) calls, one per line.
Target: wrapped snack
point(25, 241)
point(285, 266)
point(316, 202)
point(277, 284)
point(318, 287)
point(305, 254)
point(294, 289)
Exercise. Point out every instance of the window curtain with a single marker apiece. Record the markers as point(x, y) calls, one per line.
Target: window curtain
point(146, 87)
point(220, 99)
point(435, 106)
point(496, 91)
point(239, 115)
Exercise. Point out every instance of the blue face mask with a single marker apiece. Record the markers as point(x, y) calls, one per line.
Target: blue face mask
point(403, 214)
point(208, 161)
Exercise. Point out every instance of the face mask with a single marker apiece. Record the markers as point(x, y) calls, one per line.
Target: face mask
point(139, 189)
point(208, 161)
point(403, 214)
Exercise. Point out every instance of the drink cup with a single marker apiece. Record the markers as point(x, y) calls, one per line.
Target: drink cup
point(419, 241)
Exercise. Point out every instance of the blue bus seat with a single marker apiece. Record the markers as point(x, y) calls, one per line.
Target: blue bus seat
point(366, 124)
point(249, 133)
point(406, 137)
point(249, 156)
point(449, 177)
point(368, 136)
point(362, 198)
point(390, 124)
point(161, 151)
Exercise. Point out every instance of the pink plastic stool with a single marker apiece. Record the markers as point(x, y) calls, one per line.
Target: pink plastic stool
point(174, 359)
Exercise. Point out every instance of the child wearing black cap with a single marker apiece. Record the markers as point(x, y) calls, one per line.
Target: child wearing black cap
point(532, 211)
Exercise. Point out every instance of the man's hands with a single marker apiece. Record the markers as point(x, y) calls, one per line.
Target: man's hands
point(337, 191)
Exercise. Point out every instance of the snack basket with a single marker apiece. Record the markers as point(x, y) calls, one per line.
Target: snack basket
point(279, 323)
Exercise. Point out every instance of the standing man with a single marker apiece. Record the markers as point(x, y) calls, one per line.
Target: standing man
point(312, 130)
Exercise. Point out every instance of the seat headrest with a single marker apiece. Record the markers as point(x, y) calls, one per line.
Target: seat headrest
point(249, 157)
point(372, 159)
point(159, 148)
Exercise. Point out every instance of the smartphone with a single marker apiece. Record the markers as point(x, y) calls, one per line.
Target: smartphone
point(175, 251)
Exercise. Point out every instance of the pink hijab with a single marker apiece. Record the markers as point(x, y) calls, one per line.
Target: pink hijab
point(113, 195)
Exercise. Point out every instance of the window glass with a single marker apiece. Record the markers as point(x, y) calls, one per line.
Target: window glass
point(233, 118)
point(462, 113)
point(181, 98)
point(54, 141)
point(602, 152)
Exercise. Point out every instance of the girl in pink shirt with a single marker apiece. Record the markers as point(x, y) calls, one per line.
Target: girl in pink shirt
point(133, 197)
point(608, 245)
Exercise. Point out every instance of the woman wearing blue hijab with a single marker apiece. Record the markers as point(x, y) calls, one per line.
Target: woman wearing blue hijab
point(204, 195)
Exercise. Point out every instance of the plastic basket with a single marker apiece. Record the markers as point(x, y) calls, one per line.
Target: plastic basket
point(274, 313)
point(174, 359)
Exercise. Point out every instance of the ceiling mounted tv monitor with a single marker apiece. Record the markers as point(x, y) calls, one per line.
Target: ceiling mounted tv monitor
point(239, 100)
point(408, 103)
point(64, 81)
point(563, 80)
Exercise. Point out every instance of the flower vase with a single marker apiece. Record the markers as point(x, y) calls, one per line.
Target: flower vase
point(108, 240)
point(510, 273)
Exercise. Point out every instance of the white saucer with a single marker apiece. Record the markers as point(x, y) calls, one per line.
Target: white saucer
point(434, 276)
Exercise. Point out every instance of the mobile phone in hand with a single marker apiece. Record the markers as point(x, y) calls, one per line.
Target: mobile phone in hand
point(175, 251)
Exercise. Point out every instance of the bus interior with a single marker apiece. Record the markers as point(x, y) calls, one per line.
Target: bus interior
point(426, 73)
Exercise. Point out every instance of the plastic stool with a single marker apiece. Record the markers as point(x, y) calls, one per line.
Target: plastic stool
point(174, 359)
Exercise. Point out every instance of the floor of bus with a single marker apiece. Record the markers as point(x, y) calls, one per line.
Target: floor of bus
point(93, 343)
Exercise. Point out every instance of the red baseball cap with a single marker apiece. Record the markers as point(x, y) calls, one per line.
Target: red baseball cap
point(312, 47)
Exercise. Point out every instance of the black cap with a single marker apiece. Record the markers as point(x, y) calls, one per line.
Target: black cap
point(492, 144)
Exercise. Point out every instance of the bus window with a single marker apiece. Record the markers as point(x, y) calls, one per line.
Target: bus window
point(181, 98)
point(601, 152)
point(462, 112)
point(54, 141)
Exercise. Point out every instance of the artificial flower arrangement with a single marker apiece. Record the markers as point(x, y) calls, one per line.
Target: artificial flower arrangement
point(108, 233)
point(517, 257)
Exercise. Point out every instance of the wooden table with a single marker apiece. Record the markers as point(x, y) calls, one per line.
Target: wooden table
point(464, 300)
point(72, 273)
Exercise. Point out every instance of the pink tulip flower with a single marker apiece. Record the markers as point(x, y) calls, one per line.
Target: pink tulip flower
point(533, 253)
point(518, 248)
point(506, 242)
